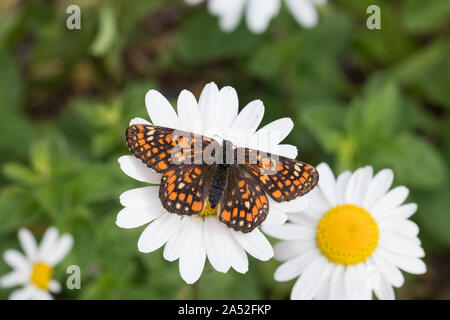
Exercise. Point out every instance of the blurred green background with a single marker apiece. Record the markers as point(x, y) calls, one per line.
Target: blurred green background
point(357, 97)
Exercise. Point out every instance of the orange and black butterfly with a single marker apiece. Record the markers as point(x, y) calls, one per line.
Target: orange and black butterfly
point(236, 179)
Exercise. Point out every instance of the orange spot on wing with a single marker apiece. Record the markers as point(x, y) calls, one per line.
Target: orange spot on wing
point(171, 179)
point(162, 165)
point(140, 135)
point(189, 199)
point(226, 215)
point(242, 213)
point(249, 217)
point(196, 206)
point(263, 199)
point(173, 196)
point(235, 212)
point(197, 171)
point(182, 196)
point(302, 180)
point(241, 183)
point(276, 194)
point(170, 188)
point(264, 178)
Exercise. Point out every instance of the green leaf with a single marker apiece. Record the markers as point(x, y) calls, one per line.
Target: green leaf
point(434, 216)
point(19, 173)
point(415, 162)
point(107, 32)
point(425, 16)
point(324, 121)
point(201, 40)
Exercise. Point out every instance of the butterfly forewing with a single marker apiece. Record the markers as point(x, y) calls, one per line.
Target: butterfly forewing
point(163, 148)
point(281, 178)
point(244, 205)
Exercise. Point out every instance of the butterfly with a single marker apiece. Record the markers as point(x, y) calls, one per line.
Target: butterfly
point(198, 171)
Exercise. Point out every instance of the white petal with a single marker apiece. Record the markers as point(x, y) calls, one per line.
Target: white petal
point(188, 113)
point(290, 231)
point(355, 281)
point(192, 259)
point(317, 201)
point(208, 106)
point(48, 243)
point(16, 260)
point(402, 212)
point(24, 293)
point(402, 245)
point(357, 186)
point(275, 217)
point(227, 109)
point(289, 249)
point(60, 249)
point(193, 2)
point(129, 218)
point(160, 110)
point(13, 279)
point(137, 170)
point(385, 291)
point(38, 294)
point(145, 197)
point(260, 12)
point(138, 121)
point(239, 260)
point(296, 205)
point(390, 200)
point(158, 232)
point(274, 132)
point(175, 244)
point(304, 219)
point(216, 240)
point(304, 12)
point(292, 268)
point(248, 119)
point(341, 186)
point(255, 243)
point(388, 270)
point(229, 12)
point(401, 227)
point(337, 285)
point(54, 286)
point(28, 244)
point(312, 278)
point(409, 264)
point(287, 150)
point(378, 187)
point(327, 183)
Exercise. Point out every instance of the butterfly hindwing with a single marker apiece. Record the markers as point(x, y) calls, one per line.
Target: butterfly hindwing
point(162, 148)
point(282, 178)
point(184, 189)
point(244, 204)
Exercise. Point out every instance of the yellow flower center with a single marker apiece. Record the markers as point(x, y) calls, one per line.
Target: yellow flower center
point(207, 210)
point(347, 234)
point(41, 275)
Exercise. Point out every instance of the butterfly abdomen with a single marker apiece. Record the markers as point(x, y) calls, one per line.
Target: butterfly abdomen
point(218, 185)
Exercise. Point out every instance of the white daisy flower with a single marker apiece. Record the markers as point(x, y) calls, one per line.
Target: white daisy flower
point(260, 12)
point(351, 240)
point(193, 238)
point(33, 271)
